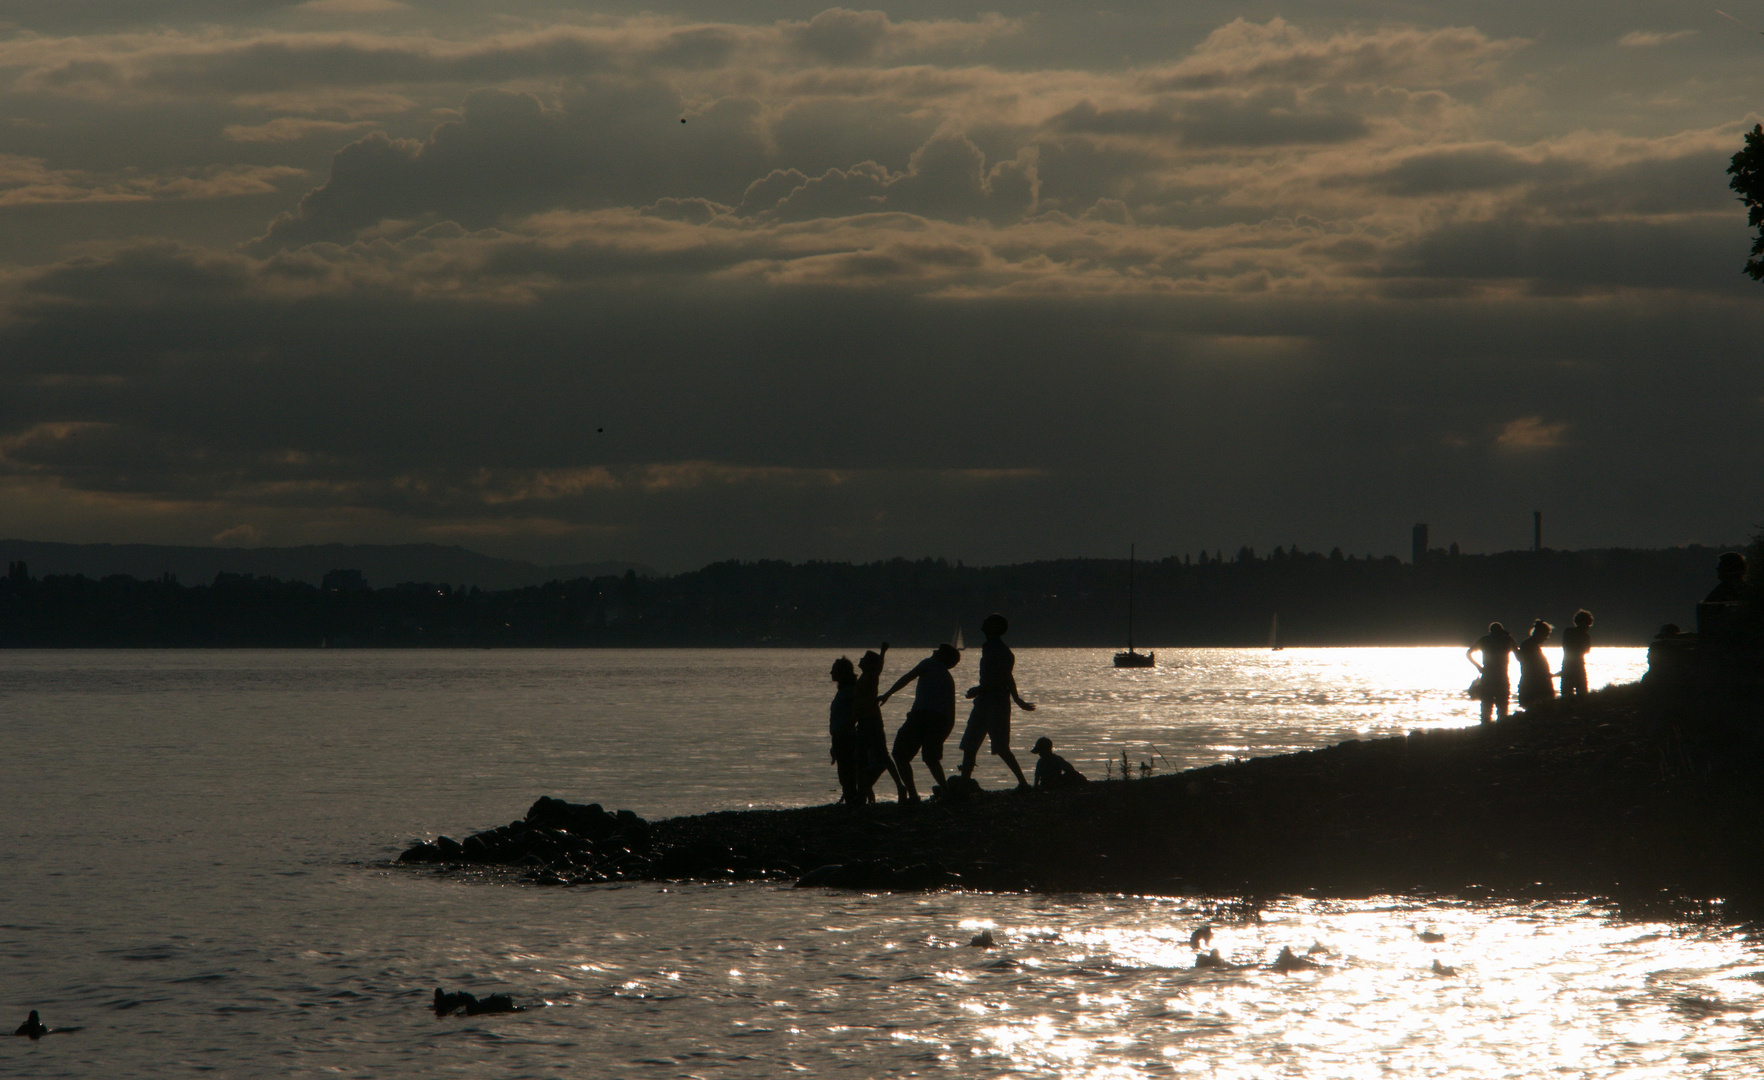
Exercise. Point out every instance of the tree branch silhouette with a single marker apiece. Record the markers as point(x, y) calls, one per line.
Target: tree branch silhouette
point(1747, 171)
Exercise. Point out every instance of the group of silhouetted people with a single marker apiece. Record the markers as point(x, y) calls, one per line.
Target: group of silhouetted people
point(860, 742)
point(1536, 681)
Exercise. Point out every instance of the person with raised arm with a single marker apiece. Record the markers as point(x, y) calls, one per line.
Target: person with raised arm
point(1493, 688)
point(872, 739)
point(930, 720)
point(990, 718)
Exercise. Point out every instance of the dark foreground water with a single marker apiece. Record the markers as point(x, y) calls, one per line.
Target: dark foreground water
point(194, 874)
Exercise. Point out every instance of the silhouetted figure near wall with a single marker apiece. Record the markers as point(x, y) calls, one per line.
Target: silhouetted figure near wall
point(1730, 572)
point(990, 718)
point(1718, 616)
point(1493, 689)
point(1053, 771)
point(1536, 684)
point(872, 740)
point(842, 730)
point(1576, 643)
point(930, 720)
point(1672, 658)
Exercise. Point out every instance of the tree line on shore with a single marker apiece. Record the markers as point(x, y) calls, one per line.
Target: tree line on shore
point(1214, 599)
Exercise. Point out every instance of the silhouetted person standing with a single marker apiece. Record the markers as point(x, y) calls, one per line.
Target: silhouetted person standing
point(1493, 688)
point(842, 730)
point(872, 740)
point(1536, 685)
point(990, 718)
point(1576, 643)
point(930, 720)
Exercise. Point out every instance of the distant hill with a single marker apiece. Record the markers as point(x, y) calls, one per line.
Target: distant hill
point(413, 599)
point(380, 564)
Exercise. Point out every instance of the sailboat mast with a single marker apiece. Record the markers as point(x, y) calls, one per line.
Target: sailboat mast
point(1130, 554)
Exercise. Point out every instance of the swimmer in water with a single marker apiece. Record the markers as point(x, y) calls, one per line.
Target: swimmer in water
point(33, 1027)
point(1290, 961)
point(470, 1005)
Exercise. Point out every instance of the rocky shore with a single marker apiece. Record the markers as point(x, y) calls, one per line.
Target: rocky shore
point(1628, 794)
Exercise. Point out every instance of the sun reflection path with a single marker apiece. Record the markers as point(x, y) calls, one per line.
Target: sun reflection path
point(1203, 706)
point(1538, 990)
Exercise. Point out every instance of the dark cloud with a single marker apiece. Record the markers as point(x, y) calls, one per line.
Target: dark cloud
point(1269, 118)
point(510, 155)
point(1444, 172)
point(1700, 256)
point(842, 36)
point(809, 422)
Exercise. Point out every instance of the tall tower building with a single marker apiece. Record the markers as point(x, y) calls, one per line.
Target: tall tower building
point(1418, 544)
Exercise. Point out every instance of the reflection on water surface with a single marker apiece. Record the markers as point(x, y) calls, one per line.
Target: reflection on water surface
point(192, 877)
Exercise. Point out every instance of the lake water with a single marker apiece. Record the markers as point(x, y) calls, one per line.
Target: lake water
point(196, 876)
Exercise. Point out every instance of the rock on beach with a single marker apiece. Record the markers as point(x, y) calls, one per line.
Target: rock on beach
point(1625, 793)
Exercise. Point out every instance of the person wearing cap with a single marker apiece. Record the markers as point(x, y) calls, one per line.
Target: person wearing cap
point(990, 718)
point(1054, 771)
point(1493, 688)
point(930, 720)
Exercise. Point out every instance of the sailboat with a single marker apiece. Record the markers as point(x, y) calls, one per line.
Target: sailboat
point(1131, 658)
point(1274, 633)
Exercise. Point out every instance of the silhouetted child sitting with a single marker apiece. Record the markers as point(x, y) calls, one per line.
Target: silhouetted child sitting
point(1053, 771)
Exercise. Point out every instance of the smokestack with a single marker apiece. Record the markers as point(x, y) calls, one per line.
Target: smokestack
point(1537, 530)
point(1418, 544)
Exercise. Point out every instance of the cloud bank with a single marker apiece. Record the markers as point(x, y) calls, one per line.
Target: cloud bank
point(854, 283)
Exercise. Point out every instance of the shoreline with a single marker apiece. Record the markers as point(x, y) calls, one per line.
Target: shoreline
point(1628, 794)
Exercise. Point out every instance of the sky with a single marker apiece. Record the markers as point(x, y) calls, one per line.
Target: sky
point(694, 281)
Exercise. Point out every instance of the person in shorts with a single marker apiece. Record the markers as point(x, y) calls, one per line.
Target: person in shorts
point(930, 720)
point(990, 718)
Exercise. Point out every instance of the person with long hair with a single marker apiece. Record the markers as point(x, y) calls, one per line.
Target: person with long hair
point(1537, 685)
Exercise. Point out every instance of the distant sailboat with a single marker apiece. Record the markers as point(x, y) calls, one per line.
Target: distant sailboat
point(1274, 633)
point(1131, 658)
point(957, 640)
